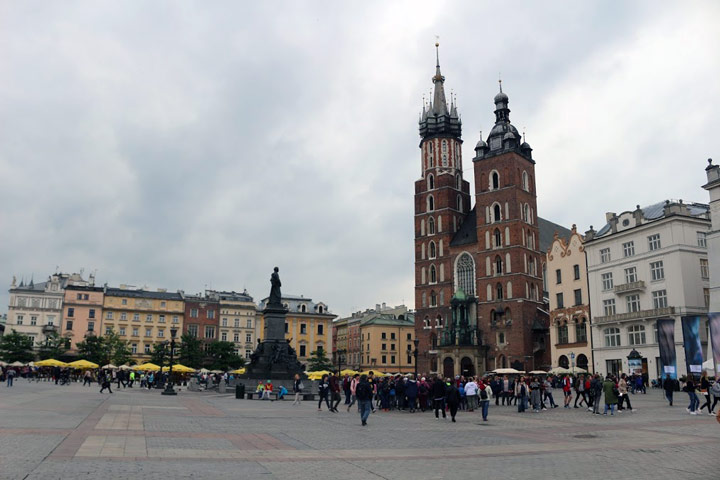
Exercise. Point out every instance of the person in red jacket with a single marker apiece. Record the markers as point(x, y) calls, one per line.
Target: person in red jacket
point(334, 393)
point(567, 390)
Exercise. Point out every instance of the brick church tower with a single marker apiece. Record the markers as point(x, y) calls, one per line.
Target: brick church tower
point(478, 271)
point(509, 261)
point(442, 199)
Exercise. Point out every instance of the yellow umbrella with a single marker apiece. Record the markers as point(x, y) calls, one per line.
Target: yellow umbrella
point(317, 375)
point(82, 364)
point(147, 366)
point(179, 368)
point(50, 362)
point(347, 371)
point(239, 371)
point(375, 373)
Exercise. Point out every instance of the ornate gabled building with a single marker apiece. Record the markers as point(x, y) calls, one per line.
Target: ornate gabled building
point(478, 271)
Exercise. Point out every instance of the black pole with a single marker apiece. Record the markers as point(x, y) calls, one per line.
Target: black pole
point(168, 385)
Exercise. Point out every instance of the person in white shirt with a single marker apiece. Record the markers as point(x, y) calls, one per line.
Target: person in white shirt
point(471, 393)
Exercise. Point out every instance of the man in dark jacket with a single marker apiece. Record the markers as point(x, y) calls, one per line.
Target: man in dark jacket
point(669, 385)
point(364, 395)
point(411, 391)
point(452, 397)
point(437, 393)
point(334, 393)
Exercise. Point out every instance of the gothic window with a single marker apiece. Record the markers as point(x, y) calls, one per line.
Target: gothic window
point(431, 182)
point(508, 316)
point(431, 161)
point(433, 299)
point(498, 238)
point(499, 291)
point(459, 204)
point(498, 265)
point(465, 274)
point(433, 274)
point(497, 215)
point(433, 342)
point(439, 322)
point(457, 181)
point(422, 227)
point(525, 185)
point(433, 250)
point(426, 322)
point(430, 203)
point(444, 153)
point(494, 180)
point(431, 226)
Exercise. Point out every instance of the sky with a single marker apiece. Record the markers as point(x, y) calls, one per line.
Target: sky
point(192, 145)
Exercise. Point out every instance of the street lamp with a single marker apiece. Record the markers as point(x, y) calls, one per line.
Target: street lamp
point(416, 342)
point(168, 385)
point(572, 362)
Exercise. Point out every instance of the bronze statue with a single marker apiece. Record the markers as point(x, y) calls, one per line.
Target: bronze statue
point(275, 295)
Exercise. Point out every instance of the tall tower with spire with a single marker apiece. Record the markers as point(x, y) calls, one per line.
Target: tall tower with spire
point(442, 199)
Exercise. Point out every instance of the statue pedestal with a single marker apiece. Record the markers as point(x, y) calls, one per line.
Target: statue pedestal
point(274, 358)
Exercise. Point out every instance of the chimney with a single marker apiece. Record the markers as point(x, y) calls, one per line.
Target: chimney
point(638, 215)
point(612, 219)
point(590, 234)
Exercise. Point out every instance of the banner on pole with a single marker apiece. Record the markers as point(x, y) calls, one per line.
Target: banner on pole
point(714, 321)
point(666, 343)
point(691, 342)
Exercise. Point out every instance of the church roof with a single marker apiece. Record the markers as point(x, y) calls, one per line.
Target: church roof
point(467, 233)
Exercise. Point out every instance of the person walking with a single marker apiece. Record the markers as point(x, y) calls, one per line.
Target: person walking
point(437, 393)
point(705, 390)
point(580, 391)
point(471, 393)
point(105, 383)
point(335, 397)
point(10, 374)
point(297, 389)
point(597, 387)
point(364, 395)
point(323, 392)
point(548, 392)
point(567, 390)
point(87, 378)
point(452, 397)
point(535, 394)
point(690, 390)
point(346, 388)
point(131, 379)
point(423, 392)
point(353, 390)
point(715, 391)
point(484, 397)
point(521, 394)
point(610, 391)
point(669, 386)
point(623, 394)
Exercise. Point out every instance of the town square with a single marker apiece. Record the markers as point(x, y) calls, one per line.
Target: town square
point(322, 239)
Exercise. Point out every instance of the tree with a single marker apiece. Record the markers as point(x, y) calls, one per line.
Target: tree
point(191, 354)
point(118, 351)
point(54, 346)
point(222, 356)
point(92, 349)
point(16, 347)
point(318, 361)
point(161, 351)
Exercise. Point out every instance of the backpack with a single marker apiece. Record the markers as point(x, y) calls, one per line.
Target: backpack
point(483, 394)
point(301, 386)
point(423, 389)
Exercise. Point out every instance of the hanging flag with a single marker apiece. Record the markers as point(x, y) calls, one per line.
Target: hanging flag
point(691, 342)
point(666, 343)
point(714, 321)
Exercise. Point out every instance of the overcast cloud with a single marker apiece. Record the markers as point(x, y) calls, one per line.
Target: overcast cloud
point(191, 144)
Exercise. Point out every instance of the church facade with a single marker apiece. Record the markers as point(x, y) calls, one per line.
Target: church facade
point(478, 268)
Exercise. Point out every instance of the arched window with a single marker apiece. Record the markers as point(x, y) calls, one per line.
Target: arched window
point(580, 330)
point(508, 316)
point(433, 274)
point(303, 308)
point(320, 309)
point(433, 250)
point(444, 153)
point(563, 361)
point(431, 226)
point(433, 299)
point(525, 181)
point(612, 337)
point(465, 274)
point(497, 213)
point(430, 203)
point(431, 160)
point(501, 362)
point(459, 204)
point(494, 180)
point(431, 182)
point(562, 331)
point(426, 322)
point(498, 237)
point(498, 265)
point(439, 322)
point(499, 291)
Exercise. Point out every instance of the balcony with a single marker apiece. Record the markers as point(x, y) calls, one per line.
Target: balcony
point(642, 314)
point(638, 286)
point(50, 328)
point(460, 338)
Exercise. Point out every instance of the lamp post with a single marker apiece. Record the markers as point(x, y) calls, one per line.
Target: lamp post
point(572, 362)
point(168, 385)
point(416, 342)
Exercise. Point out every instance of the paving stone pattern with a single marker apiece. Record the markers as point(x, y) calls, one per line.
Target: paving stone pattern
point(60, 432)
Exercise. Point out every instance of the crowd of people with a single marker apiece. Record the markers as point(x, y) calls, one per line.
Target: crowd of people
point(446, 396)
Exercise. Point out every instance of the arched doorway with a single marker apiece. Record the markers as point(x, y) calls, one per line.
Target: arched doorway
point(582, 361)
point(449, 367)
point(563, 361)
point(501, 362)
point(467, 368)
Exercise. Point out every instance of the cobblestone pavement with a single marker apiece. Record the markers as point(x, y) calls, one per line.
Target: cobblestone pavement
point(54, 432)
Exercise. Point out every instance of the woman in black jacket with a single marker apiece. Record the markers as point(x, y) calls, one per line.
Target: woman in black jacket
point(437, 393)
point(324, 392)
point(705, 390)
point(452, 397)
